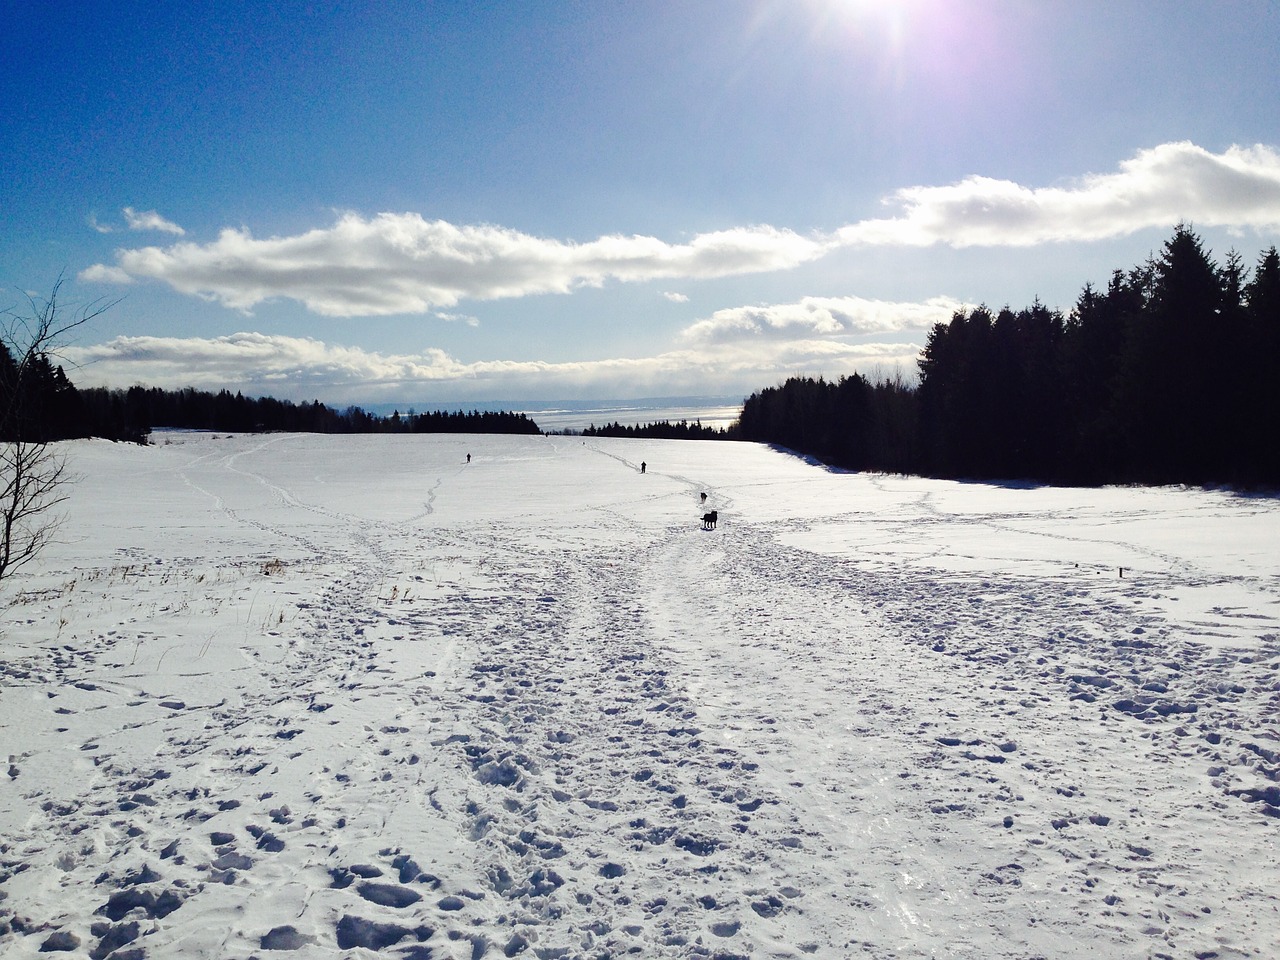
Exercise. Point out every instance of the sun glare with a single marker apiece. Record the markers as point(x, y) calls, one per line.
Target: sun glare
point(878, 20)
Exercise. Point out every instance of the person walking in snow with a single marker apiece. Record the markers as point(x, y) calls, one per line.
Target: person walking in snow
point(643, 465)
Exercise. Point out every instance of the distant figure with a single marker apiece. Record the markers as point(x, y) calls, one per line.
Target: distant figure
point(468, 458)
point(643, 466)
point(709, 520)
point(704, 499)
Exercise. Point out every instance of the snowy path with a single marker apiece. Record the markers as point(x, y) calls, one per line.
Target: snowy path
point(350, 698)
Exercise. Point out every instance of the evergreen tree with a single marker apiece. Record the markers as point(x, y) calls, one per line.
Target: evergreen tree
point(959, 397)
point(1177, 364)
point(1260, 370)
point(1094, 342)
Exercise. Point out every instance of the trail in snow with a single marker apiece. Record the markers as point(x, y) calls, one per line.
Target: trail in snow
point(365, 697)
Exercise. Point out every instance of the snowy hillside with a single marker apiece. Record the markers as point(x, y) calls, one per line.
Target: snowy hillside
point(318, 697)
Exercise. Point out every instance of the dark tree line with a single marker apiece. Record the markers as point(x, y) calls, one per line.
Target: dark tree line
point(53, 409)
point(458, 422)
point(131, 414)
point(850, 422)
point(1169, 375)
point(661, 430)
point(39, 402)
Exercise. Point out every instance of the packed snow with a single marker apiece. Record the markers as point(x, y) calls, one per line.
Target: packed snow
point(276, 695)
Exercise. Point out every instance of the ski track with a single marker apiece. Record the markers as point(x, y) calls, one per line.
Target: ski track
point(475, 742)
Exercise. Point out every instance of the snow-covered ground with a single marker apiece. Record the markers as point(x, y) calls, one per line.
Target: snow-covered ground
point(315, 696)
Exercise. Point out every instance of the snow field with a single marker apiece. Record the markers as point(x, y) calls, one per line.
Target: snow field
point(355, 697)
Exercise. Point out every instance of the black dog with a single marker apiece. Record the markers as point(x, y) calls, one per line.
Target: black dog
point(709, 520)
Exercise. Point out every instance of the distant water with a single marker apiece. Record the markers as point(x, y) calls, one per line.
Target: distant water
point(715, 412)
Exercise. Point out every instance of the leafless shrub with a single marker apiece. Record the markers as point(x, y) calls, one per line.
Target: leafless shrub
point(33, 477)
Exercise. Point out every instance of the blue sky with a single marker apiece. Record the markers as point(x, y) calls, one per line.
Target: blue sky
point(429, 202)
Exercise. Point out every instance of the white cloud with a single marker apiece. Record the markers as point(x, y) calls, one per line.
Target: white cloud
point(820, 316)
point(100, 227)
point(150, 220)
point(675, 297)
point(1157, 188)
point(101, 273)
point(302, 369)
point(466, 318)
point(402, 263)
point(247, 358)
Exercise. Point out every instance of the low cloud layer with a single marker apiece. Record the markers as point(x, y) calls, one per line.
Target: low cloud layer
point(820, 317)
point(401, 263)
point(302, 369)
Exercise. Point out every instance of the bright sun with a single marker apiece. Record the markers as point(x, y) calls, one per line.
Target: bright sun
point(867, 13)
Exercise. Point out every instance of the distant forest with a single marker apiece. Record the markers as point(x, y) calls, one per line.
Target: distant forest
point(1169, 375)
point(660, 430)
point(53, 409)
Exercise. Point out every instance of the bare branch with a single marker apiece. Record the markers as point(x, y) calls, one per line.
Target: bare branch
point(46, 323)
point(33, 477)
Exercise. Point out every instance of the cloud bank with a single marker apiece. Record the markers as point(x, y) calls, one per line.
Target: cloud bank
point(303, 369)
point(821, 316)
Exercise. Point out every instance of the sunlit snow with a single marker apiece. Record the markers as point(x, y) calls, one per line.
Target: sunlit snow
point(355, 696)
